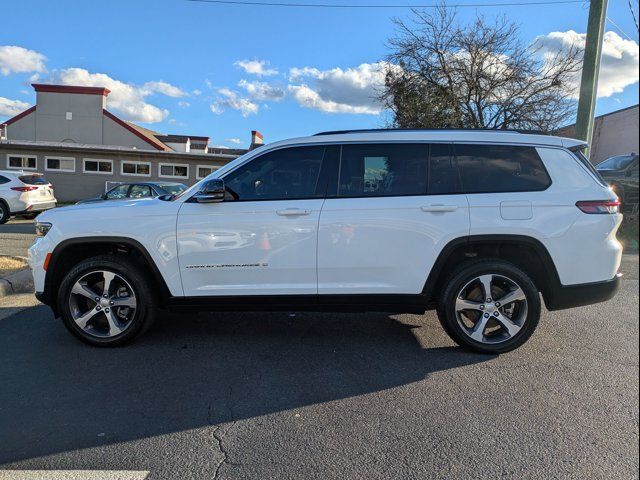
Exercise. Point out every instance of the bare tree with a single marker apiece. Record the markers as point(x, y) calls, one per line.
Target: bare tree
point(441, 74)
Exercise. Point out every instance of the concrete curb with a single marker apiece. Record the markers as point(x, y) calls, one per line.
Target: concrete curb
point(19, 282)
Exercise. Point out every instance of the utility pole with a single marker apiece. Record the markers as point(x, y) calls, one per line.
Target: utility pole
point(590, 69)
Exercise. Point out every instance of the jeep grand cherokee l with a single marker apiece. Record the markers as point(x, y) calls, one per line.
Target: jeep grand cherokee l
point(474, 224)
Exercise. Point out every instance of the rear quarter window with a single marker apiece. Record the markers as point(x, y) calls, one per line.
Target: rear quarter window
point(500, 168)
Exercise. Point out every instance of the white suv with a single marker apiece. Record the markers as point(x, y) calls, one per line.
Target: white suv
point(474, 224)
point(24, 193)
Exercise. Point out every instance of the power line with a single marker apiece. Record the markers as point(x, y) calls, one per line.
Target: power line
point(618, 28)
point(633, 14)
point(336, 5)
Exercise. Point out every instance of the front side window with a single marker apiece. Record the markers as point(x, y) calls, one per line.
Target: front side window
point(289, 173)
point(500, 168)
point(118, 192)
point(375, 170)
point(21, 162)
point(60, 164)
point(98, 166)
point(140, 191)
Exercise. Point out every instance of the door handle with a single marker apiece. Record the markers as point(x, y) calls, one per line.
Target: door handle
point(439, 208)
point(292, 212)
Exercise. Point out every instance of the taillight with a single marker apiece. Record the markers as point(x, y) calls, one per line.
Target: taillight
point(24, 189)
point(599, 206)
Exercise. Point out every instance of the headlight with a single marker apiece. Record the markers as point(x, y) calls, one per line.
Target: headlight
point(42, 228)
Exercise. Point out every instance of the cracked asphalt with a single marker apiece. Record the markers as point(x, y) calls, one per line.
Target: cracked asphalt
point(255, 396)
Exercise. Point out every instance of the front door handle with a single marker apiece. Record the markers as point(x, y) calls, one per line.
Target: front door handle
point(439, 208)
point(293, 212)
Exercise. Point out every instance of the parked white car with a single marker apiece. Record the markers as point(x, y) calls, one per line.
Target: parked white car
point(475, 224)
point(24, 193)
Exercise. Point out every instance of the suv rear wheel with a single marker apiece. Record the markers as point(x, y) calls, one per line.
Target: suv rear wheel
point(4, 212)
point(106, 300)
point(489, 306)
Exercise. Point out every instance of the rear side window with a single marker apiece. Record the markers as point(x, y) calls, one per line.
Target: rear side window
point(500, 168)
point(443, 176)
point(4, 180)
point(386, 169)
point(33, 180)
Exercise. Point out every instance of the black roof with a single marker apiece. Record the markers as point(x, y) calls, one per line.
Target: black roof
point(372, 130)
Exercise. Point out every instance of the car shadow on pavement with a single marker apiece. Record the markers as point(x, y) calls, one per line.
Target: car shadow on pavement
point(191, 371)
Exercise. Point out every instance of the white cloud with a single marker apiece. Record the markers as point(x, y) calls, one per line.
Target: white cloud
point(262, 91)
point(164, 88)
point(619, 65)
point(235, 141)
point(352, 90)
point(256, 67)
point(233, 100)
point(15, 59)
point(183, 104)
point(197, 92)
point(126, 99)
point(9, 108)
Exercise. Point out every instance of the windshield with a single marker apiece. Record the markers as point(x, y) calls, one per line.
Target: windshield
point(174, 188)
point(619, 162)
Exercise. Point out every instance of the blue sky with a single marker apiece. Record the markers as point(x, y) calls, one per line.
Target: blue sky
point(180, 65)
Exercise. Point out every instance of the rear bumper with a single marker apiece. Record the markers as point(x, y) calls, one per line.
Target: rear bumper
point(584, 294)
point(35, 207)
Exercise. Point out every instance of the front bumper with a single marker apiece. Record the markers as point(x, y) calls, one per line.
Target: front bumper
point(583, 294)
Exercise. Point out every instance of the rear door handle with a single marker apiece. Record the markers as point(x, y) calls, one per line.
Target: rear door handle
point(439, 208)
point(292, 212)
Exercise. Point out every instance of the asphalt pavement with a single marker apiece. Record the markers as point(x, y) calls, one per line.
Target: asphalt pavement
point(16, 236)
point(257, 396)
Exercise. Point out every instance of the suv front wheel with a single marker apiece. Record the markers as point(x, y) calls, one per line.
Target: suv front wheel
point(489, 306)
point(106, 300)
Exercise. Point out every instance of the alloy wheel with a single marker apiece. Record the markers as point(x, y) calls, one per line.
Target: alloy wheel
point(491, 308)
point(102, 304)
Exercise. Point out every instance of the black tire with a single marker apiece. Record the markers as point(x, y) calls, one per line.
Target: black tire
point(4, 213)
point(139, 280)
point(466, 273)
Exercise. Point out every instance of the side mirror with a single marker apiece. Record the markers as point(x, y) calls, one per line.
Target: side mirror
point(211, 192)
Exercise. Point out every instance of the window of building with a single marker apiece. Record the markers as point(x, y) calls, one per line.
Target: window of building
point(278, 175)
point(500, 168)
point(140, 191)
point(385, 169)
point(173, 170)
point(60, 164)
point(139, 169)
point(117, 192)
point(22, 162)
point(204, 170)
point(104, 167)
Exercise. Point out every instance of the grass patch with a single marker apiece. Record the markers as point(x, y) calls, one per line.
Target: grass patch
point(628, 233)
point(9, 265)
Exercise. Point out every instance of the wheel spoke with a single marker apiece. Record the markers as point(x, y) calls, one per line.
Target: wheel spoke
point(129, 301)
point(464, 304)
point(114, 324)
point(108, 278)
point(83, 319)
point(477, 332)
point(511, 328)
point(485, 280)
point(513, 296)
point(85, 291)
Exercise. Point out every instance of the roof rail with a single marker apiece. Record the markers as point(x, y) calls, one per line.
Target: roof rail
point(373, 130)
